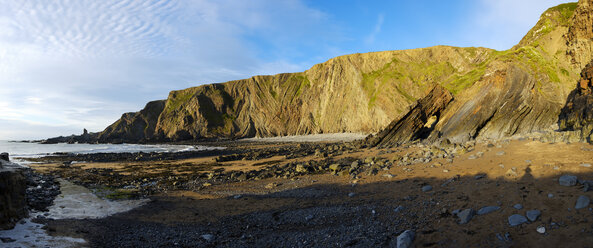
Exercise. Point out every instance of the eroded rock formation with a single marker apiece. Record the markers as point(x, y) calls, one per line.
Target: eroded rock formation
point(577, 115)
point(418, 122)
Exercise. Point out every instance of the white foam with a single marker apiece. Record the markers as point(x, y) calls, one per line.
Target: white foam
point(29, 234)
point(77, 202)
point(74, 202)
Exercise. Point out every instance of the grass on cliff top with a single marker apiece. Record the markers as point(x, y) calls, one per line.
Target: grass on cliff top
point(566, 10)
point(549, 21)
point(398, 73)
point(533, 59)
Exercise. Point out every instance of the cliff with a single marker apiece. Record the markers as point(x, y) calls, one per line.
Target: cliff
point(577, 114)
point(496, 93)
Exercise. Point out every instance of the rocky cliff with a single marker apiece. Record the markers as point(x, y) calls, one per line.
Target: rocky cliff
point(134, 127)
point(577, 114)
point(496, 93)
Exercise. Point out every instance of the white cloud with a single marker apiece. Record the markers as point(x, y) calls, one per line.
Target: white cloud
point(370, 39)
point(501, 24)
point(65, 65)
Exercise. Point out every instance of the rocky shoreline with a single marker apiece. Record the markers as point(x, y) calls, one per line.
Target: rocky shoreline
point(23, 191)
point(335, 194)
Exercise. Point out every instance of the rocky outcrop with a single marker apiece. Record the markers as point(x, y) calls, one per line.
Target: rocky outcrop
point(418, 122)
point(504, 103)
point(577, 115)
point(85, 137)
point(134, 127)
point(497, 93)
point(13, 186)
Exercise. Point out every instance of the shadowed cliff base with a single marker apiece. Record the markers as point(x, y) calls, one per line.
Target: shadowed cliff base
point(577, 115)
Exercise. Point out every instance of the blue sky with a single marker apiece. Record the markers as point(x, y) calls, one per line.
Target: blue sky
point(68, 65)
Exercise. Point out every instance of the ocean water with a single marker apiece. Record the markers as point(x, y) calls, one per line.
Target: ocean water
point(27, 150)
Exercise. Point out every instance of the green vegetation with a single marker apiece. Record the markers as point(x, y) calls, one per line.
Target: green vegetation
point(566, 10)
point(115, 194)
point(272, 92)
point(460, 82)
point(533, 59)
point(550, 20)
point(304, 84)
point(178, 98)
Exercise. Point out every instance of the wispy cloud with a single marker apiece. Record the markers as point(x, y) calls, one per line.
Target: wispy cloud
point(370, 39)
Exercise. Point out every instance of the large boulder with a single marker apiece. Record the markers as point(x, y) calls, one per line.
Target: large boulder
point(13, 186)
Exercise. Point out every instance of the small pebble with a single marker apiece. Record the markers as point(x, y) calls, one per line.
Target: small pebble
point(567, 180)
point(541, 229)
point(351, 194)
point(405, 239)
point(532, 215)
point(208, 237)
point(582, 202)
point(517, 219)
point(518, 206)
point(426, 188)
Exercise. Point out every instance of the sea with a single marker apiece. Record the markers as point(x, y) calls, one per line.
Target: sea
point(17, 149)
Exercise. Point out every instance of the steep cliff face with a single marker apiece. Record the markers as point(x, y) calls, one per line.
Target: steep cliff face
point(580, 34)
point(497, 93)
point(134, 127)
point(353, 93)
point(577, 114)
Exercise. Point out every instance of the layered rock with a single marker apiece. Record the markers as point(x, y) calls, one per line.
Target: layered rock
point(580, 34)
point(418, 122)
point(577, 115)
point(497, 93)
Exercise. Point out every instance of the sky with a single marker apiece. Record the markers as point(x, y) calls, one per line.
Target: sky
point(66, 65)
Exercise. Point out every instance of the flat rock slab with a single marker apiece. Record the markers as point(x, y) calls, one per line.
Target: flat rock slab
point(488, 209)
point(517, 219)
point(568, 180)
